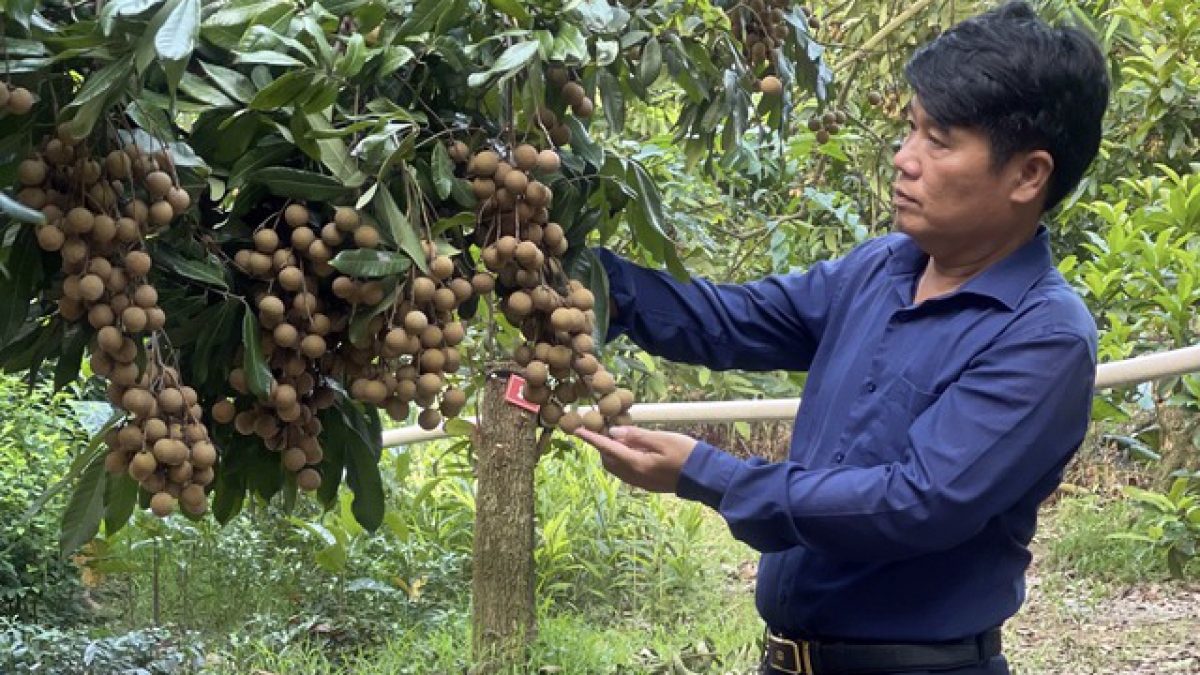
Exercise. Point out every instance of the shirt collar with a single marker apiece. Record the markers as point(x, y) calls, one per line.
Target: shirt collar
point(1006, 281)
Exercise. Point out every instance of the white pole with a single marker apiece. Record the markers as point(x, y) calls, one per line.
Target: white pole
point(1130, 371)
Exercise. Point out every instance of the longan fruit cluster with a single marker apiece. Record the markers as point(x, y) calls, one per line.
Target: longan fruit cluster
point(414, 350)
point(760, 25)
point(555, 314)
point(304, 308)
point(97, 212)
point(164, 445)
point(97, 240)
point(826, 125)
point(15, 100)
point(581, 105)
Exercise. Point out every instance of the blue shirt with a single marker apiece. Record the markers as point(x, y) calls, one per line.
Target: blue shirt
point(926, 438)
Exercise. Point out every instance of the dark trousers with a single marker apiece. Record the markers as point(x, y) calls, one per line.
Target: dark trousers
point(996, 666)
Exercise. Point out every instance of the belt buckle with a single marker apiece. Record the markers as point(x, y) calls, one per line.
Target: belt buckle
point(801, 655)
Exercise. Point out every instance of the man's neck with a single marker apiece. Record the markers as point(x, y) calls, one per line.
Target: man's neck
point(947, 271)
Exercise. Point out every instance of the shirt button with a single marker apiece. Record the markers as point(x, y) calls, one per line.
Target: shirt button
point(839, 457)
point(870, 387)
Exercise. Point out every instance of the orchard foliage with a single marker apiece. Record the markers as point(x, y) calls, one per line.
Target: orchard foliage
point(265, 221)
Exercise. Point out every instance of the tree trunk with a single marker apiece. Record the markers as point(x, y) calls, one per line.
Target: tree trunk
point(503, 621)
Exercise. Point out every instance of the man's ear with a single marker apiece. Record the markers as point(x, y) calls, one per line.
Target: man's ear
point(1032, 176)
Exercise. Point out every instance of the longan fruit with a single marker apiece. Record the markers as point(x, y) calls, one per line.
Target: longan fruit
point(31, 172)
point(20, 101)
point(162, 504)
point(548, 161)
point(308, 479)
point(516, 182)
point(483, 283)
point(486, 163)
point(458, 151)
point(571, 421)
point(770, 86)
point(573, 92)
point(145, 296)
point(345, 218)
point(137, 264)
point(133, 319)
point(313, 346)
point(50, 238)
point(429, 419)
point(442, 267)
point(224, 411)
point(366, 237)
point(266, 241)
point(584, 108)
point(161, 213)
point(593, 421)
point(158, 183)
point(526, 157)
point(296, 216)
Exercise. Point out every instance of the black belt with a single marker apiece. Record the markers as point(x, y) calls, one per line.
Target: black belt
point(817, 657)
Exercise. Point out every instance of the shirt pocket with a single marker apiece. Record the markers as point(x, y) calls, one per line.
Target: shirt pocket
point(899, 405)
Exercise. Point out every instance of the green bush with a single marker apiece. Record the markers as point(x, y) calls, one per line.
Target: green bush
point(38, 430)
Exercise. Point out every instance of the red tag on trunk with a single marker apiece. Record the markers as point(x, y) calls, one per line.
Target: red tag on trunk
point(513, 394)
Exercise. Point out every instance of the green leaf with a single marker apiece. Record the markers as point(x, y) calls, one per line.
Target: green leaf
point(402, 231)
point(120, 499)
point(423, 17)
point(123, 8)
point(362, 319)
point(67, 369)
point(612, 99)
point(394, 58)
point(514, 9)
point(298, 184)
point(254, 362)
point(443, 171)
point(283, 91)
point(590, 271)
point(646, 217)
point(81, 518)
point(228, 495)
point(362, 463)
point(513, 59)
point(367, 263)
point(204, 92)
point(459, 427)
point(209, 271)
point(569, 45)
point(333, 152)
point(176, 39)
point(103, 83)
point(651, 64)
point(239, 15)
point(23, 274)
point(20, 10)
point(234, 84)
point(355, 57)
point(268, 153)
point(19, 212)
point(582, 143)
point(267, 58)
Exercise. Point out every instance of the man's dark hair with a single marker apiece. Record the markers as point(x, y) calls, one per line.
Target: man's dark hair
point(1026, 84)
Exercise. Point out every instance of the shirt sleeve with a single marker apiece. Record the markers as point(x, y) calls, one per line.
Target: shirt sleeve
point(1010, 422)
point(772, 324)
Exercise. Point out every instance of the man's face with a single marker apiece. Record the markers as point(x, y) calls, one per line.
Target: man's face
point(946, 189)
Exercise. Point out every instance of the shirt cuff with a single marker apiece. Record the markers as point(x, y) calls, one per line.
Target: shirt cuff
point(620, 292)
point(706, 475)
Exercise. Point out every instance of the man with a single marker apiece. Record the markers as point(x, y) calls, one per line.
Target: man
point(950, 373)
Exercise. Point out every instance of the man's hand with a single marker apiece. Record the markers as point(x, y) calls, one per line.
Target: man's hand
point(651, 460)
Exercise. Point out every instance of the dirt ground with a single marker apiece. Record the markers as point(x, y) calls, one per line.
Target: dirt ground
point(1076, 627)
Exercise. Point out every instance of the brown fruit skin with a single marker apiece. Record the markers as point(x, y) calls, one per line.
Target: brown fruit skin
point(770, 86)
point(486, 163)
point(20, 101)
point(308, 479)
point(548, 161)
point(296, 215)
point(162, 504)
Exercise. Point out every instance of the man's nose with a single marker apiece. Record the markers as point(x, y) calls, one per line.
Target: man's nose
point(905, 160)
